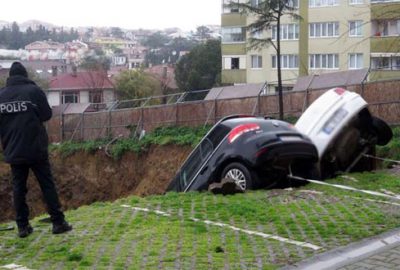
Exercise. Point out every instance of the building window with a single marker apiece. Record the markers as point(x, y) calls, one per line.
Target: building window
point(355, 61)
point(355, 28)
point(229, 9)
point(325, 29)
point(324, 61)
point(233, 34)
point(69, 97)
point(288, 32)
point(288, 61)
point(256, 61)
point(293, 3)
point(255, 3)
point(356, 2)
point(235, 63)
point(323, 3)
point(255, 34)
point(96, 96)
point(386, 63)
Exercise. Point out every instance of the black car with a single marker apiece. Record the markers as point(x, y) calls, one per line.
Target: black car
point(250, 150)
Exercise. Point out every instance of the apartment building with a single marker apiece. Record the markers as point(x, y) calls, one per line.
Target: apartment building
point(333, 35)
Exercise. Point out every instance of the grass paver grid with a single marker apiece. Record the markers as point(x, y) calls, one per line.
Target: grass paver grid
point(108, 236)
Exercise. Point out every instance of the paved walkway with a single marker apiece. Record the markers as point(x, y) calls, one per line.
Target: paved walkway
point(388, 259)
point(378, 253)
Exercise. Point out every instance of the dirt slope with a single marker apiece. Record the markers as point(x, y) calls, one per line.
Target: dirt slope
point(85, 178)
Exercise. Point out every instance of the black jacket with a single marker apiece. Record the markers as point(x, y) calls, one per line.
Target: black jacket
point(23, 109)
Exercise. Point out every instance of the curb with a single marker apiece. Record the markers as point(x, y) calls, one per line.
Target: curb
point(349, 254)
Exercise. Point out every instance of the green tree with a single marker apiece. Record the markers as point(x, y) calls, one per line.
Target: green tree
point(267, 14)
point(5, 36)
point(156, 40)
point(135, 84)
point(203, 32)
point(3, 80)
point(42, 83)
point(116, 32)
point(97, 62)
point(201, 68)
point(16, 41)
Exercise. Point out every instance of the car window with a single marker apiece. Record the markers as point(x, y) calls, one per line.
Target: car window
point(195, 161)
point(218, 134)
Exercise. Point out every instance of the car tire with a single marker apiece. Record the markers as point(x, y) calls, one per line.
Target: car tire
point(382, 130)
point(240, 174)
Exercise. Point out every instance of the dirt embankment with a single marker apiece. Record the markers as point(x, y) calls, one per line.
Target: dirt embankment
point(86, 178)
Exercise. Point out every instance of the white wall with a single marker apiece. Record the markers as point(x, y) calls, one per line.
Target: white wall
point(53, 98)
point(84, 97)
point(108, 96)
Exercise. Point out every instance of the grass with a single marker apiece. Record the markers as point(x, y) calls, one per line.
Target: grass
point(107, 235)
point(392, 149)
point(160, 136)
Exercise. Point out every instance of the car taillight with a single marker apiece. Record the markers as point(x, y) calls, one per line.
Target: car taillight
point(340, 91)
point(238, 131)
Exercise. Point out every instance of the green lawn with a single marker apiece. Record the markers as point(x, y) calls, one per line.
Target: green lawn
point(109, 236)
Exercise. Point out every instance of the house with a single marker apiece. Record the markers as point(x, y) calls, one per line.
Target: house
point(332, 36)
point(46, 69)
point(166, 75)
point(5, 66)
point(81, 87)
point(72, 51)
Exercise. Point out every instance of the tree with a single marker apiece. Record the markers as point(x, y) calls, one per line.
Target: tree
point(116, 32)
point(135, 84)
point(203, 32)
point(267, 14)
point(16, 37)
point(96, 62)
point(200, 68)
point(156, 40)
point(42, 83)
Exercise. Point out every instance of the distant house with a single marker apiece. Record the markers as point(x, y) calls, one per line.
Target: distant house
point(5, 66)
point(80, 87)
point(50, 50)
point(46, 69)
point(166, 75)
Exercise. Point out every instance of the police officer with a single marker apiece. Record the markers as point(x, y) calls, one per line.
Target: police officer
point(23, 109)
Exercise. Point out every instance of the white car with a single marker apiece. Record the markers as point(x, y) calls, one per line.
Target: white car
point(343, 130)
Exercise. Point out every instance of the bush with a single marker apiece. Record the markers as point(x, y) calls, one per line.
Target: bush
point(160, 136)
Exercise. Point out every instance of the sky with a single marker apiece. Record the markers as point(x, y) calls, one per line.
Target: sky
point(130, 14)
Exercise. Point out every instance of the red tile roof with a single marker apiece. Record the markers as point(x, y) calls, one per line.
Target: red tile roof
point(82, 81)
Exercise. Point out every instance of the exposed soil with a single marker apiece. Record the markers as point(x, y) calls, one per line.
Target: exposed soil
point(86, 178)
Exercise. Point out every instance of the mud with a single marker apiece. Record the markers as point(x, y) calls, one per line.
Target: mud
point(83, 178)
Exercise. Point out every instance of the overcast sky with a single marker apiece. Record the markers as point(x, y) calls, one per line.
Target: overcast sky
point(133, 14)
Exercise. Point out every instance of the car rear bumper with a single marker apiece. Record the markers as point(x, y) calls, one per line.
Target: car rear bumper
point(285, 152)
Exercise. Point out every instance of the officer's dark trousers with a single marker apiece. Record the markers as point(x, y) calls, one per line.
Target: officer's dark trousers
point(43, 175)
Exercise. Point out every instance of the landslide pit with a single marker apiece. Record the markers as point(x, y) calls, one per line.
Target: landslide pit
point(84, 178)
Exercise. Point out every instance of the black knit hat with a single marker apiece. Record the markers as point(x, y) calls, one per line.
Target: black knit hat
point(18, 69)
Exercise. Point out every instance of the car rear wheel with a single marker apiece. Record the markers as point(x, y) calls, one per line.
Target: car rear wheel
point(382, 130)
point(240, 174)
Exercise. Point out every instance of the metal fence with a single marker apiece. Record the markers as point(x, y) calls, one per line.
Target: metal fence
point(130, 117)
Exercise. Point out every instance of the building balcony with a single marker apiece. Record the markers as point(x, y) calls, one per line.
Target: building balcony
point(233, 76)
point(378, 75)
point(385, 44)
point(233, 49)
point(233, 19)
point(385, 10)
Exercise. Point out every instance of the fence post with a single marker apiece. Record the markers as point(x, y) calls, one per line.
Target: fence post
point(62, 126)
point(83, 126)
point(109, 128)
point(177, 114)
